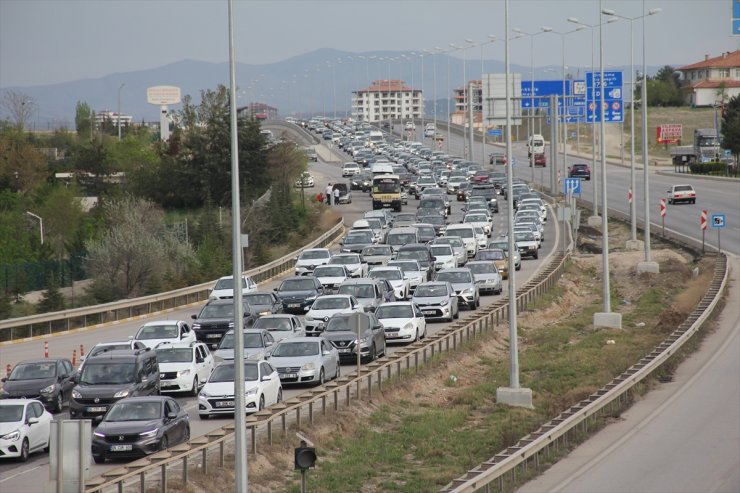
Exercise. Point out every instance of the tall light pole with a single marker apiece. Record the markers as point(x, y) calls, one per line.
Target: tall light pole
point(240, 419)
point(520, 33)
point(41, 224)
point(118, 113)
point(513, 395)
point(491, 39)
point(434, 91)
point(467, 88)
point(633, 243)
point(449, 117)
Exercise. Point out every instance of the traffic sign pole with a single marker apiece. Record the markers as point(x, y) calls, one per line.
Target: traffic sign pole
point(662, 214)
point(703, 225)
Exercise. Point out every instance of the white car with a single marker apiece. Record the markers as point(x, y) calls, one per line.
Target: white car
point(395, 276)
point(184, 369)
point(262, 388)
point(681, 193)
point(25, 427)
point(412, 270)
point(403, 321)
point(257, 342)
point(224, 288)
point(175, 332)
point(327, 305)
point(350, 169)
point(352, 261)
point(466, 232)
point(444, 256)
point(281, 326)
point(309, 259)
point(479, 220)
point(306, 359)
point(481, 237)
point(331, 276)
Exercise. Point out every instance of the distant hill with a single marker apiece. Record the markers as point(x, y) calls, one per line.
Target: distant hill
point(305, 84)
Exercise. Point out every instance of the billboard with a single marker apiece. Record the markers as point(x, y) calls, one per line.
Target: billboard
point(669, 133)
point(163, 95)
point(494, 99)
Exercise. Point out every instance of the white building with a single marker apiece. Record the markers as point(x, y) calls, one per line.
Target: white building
point(387, 99)
point(705, 81)
point(102, 116)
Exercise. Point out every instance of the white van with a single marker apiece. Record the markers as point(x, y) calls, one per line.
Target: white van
point(536, 144)
point(381, 169)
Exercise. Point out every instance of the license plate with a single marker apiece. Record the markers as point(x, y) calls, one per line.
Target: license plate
point(344, 350)
point(225, 404)
point(294, 305)
point(428, 312)
point(391, 335)
point(99, 409)
point(120, 448)
point(213, 336)
point(288, 375)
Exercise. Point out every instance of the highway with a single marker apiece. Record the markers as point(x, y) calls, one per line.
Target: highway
point(32, 476)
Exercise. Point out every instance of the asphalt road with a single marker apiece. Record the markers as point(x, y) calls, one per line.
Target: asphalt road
point(33, 476)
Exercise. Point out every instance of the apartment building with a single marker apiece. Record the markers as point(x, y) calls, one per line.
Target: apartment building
point(387, 99)
point(706, 82)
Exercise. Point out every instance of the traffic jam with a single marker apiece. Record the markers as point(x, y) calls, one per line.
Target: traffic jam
point(426, 239)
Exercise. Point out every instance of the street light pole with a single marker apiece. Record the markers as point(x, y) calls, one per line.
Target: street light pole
point(469, 87)
point(41, 224)
point(118, 114)
point(491, 39)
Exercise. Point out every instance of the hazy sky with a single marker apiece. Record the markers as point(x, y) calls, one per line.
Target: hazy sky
point(44, 42)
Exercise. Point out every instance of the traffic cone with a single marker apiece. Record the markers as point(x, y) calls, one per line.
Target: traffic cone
point(74, 357)
point(82, 351)
point(46, 349)
point(8, 369)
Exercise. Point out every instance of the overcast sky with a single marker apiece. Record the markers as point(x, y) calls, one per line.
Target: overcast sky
point(44, 42)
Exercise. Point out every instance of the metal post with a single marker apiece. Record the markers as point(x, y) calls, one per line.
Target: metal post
point(118, 114)
point(449, 119)
point(604, 217)
point(633, 203)
point(565, 111)
point(593, 132)
point(241, 483)
point(470, 118)
point(643, 106)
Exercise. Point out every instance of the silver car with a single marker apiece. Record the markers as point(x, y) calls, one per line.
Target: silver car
point(486, 276)
point(305, 360)
point(377, 254)
point(256, 343)
point(281, 326)
point(464, 284)
point(437, 300)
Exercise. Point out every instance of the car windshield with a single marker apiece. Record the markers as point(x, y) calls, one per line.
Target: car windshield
point(134, 411)
point(523, 236)
point(434, 219)
point(296, 349)
point(430, 291)
point(420, 255)
point(168, 331)
point(390, 274)
point(313, 254)
point(258, 299)
point(394, 311)
point(441, 250)
point(476, 218)
point(226, 373)
point(228, 283)
point(453, 241)
point(358, 290)
point(34, 371)
point(251, 340)
point(375, 223)
point(175, 355)
point(482, 268)
point(345, 259)
point(107, 347)
point(329, 271)
point(338, 303)
point(377, 250)
point(454, 277)
point(11, 413)
point(426, 231)
point(491, 255)
point(337, 324)
point(401, 238)
point(273, 324)
point(503, 245)
point(406, 265)
point(107, 373)
point(359, 237)
point(683, 188)
point(462, 233)
point(297, 285)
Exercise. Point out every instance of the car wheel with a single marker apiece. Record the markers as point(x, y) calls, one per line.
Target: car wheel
point(322, 377)
point(194, 389)
point(472, 305)
point(536, 255)
point(373, 353)
point(24, 451)
point(279, 396)
point(99, 459)
point(338, 373)
point(456, 315)
point(164, 443)
point(59, 403)
point(262, 403)
point(416, 338)
point(186, 438)
point(204, 416)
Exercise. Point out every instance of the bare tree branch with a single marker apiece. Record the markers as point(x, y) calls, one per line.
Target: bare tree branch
point(20, 106)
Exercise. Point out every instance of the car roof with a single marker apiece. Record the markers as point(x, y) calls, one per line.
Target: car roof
point(14, 402)
point(40, 360)
point(455, 269)
point(302, 339)
point(161, 322)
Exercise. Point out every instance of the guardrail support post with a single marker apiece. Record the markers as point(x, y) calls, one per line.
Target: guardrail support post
point(370, 387)
point(254, 440)
point(269, 432)
point(221, 455)
point(204, 460)
point(185, 470)
point(142, 483)
point(310, 412)
point(164, 478)
point(298, 417)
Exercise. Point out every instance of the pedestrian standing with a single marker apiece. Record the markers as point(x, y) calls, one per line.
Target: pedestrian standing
point(328, 193)
point(336, 196)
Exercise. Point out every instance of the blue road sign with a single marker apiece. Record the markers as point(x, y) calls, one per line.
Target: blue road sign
point(574, 91)
point(495, 132)
point(735, 18)
point(572, 185)
point(613, 109)
point(718, 220)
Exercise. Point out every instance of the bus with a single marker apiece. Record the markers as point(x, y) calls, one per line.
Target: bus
point(386, 192)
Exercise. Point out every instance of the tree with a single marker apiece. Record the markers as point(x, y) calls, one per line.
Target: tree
point(134, 249)
point(63, 216)
point(19, 106)
point(22, 168)
point(52, 299)
point(665, 88)
point(731, 127)
point(83, 119)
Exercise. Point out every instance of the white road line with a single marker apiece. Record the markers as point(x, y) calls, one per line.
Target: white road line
point(23, 472)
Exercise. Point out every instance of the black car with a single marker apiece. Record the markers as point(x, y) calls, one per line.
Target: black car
point(216, 318)
point(419, 252)
point(341, 332)
point(264, 303)
point(356, 240)
point(488, 192)
point(47, 380)
point(580, 171)
point(110, 377)
point(298, 293)
point(363, 182)
point(139, 426)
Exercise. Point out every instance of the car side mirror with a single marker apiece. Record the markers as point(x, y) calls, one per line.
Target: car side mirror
point(267, 378)
point(32, 421)
point(326, 353)
point(194, 317)
point(171, 415)
point(4, 379)
point(98, 419)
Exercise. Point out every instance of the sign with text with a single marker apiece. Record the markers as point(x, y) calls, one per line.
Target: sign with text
point(612, 92)
point(494, 99)
point(669, 133)
point(736, 17)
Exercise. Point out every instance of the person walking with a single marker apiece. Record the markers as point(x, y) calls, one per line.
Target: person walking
point(328, 193)
point(336, 196)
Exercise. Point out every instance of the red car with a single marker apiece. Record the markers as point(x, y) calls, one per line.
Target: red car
point(481, 177)
point(540, 160)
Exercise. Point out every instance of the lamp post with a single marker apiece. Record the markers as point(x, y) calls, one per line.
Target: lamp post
point(633, 243)
point(449, 117)
point(118, 113)
point(41, 224)
point(468, 89)
point(491, 39)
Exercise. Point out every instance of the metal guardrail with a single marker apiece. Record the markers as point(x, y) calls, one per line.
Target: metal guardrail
point(492, 474)
point(302, 408)
point(44, 324)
